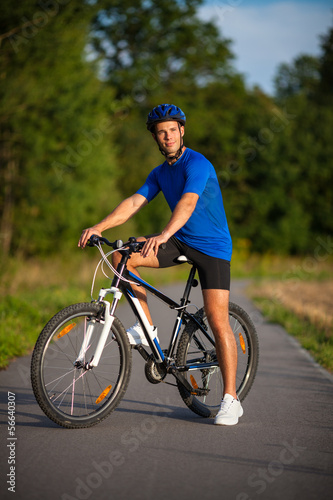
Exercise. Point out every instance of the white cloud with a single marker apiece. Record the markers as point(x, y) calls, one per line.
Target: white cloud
point(265, 36)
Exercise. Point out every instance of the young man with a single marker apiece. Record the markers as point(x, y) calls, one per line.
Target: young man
point(197, 228)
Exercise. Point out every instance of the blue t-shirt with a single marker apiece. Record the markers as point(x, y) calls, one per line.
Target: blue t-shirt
point(207, 229)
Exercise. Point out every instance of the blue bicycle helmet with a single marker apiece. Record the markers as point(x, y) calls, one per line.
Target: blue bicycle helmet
point(163, 113)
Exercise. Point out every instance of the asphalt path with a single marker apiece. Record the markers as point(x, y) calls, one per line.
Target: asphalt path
point(153, 446)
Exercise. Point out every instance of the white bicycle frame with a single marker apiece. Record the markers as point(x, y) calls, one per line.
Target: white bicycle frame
point(108, 320)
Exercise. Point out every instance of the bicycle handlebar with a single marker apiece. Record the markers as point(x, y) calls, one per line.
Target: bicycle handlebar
point(132, 244)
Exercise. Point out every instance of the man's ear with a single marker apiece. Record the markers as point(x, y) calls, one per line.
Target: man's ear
point(182, 130)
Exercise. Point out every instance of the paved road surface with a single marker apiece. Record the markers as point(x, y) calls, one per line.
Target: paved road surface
point(153, 446)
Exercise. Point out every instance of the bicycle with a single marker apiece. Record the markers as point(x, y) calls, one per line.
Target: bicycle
point(81, 363)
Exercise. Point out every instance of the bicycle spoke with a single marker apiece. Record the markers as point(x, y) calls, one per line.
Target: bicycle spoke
point(195, 349)
point(79, 396)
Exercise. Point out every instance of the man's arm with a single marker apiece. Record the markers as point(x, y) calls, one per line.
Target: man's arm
point(121, 214)
point(180, 216)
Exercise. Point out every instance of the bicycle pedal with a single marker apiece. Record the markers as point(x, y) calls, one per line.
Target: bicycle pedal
point(200, 392)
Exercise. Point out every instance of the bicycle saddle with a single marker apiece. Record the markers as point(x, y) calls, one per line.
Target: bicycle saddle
point(183, 258)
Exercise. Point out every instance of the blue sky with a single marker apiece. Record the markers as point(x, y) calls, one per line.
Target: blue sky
point(265, 33)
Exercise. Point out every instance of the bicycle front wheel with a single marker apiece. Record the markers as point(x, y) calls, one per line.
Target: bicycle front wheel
point(70, 393)
point(195, 348)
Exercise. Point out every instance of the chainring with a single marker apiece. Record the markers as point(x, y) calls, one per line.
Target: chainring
point(155, 372)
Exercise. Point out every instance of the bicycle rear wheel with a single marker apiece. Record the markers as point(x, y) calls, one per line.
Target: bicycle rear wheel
point(194, 348)
point(74, 396)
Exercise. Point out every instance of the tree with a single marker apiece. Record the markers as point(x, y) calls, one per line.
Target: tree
point(305, 148)
point(150, 45)
point(54, 131)
point(325, 89)
point(302, 76)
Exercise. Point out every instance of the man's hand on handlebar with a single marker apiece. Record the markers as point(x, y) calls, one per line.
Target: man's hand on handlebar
point(145, 247)
point(153, 244)
point(86, 233)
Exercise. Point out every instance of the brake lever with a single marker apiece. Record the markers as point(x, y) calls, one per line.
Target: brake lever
point(93, 241)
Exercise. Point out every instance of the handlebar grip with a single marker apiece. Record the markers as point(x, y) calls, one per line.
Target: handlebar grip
point(93, 240)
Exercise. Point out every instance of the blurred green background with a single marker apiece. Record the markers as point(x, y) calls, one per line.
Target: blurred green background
point(77, 81)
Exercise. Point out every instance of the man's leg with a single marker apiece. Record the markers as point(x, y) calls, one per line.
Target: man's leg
point(135, 261)
point(217, 310)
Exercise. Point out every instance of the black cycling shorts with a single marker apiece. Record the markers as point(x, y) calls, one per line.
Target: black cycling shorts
point(214, 273)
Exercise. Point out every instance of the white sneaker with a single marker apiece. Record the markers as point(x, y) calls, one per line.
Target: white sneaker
point(230, 411)
point(136, 336)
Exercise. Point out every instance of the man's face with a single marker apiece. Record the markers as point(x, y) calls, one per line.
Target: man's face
point(168, 136)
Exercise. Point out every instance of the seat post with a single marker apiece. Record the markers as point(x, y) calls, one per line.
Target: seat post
point(189, 284)
point(183, 302)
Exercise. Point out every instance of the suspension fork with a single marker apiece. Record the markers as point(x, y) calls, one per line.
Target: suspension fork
point(107, 322)
point(109, 311)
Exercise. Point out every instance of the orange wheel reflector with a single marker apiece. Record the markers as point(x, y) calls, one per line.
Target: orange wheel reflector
point(104, 393)
point(242, 343)
point(194, 384)
point(66, 330)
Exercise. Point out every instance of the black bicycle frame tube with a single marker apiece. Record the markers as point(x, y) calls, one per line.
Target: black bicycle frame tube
point(167, 300)
point(181, 307)
point(132, 277)
point(180, 315)
point(126, 288)
point(130, 295)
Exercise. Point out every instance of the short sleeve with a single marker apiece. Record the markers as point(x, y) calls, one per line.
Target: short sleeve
point(197, 175)
point(151, 187)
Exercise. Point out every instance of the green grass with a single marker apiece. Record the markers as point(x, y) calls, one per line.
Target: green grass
point(319, 342)
point(18, 322)
point(23, 316)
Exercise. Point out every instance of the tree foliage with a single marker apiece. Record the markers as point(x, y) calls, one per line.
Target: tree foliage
point(306, 148)
point(77, 81)
point(149, 45)
point(302, 76)
point(54, 130)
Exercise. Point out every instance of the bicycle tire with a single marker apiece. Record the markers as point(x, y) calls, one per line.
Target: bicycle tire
point(193, 347)
point(78, 397)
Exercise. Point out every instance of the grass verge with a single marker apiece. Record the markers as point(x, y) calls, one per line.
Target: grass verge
point(315, 336)
point(31, 292)
point(23, 316)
